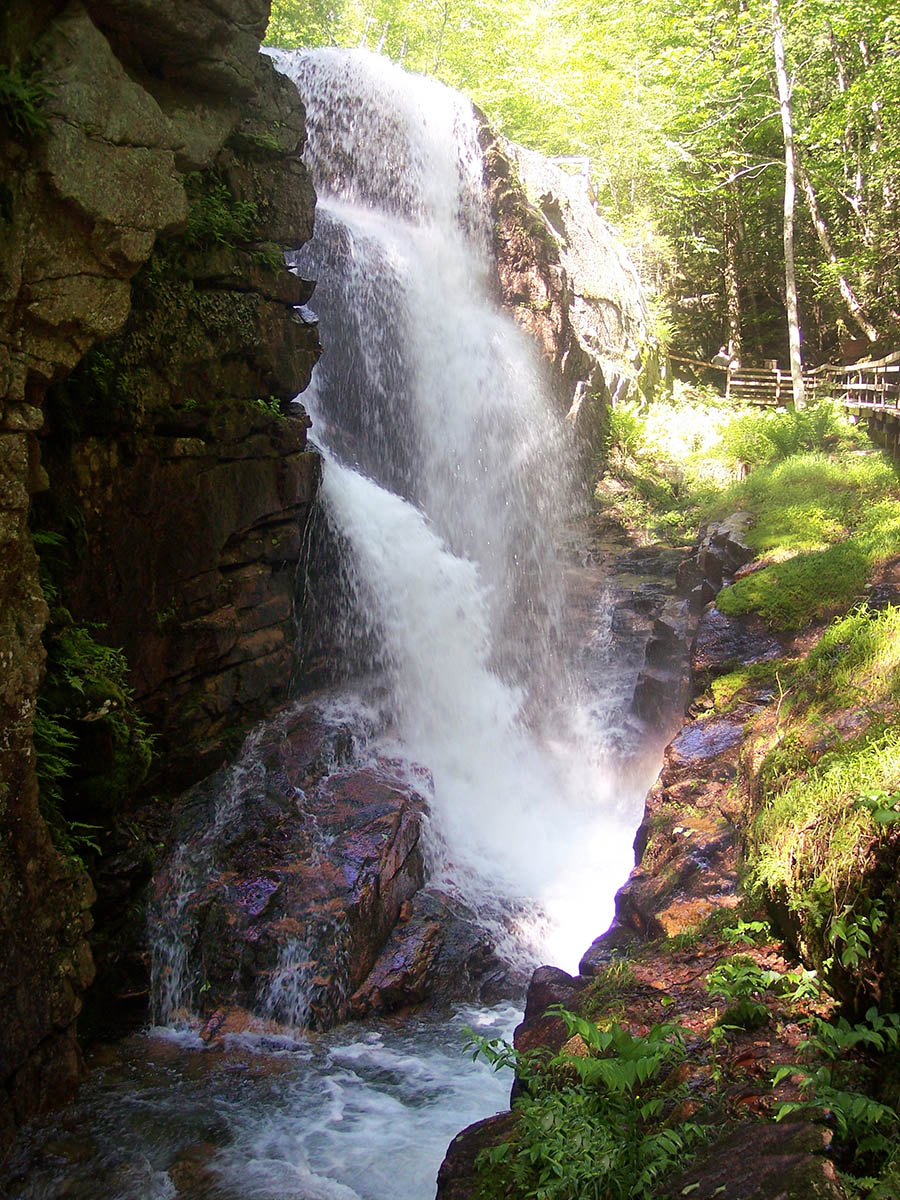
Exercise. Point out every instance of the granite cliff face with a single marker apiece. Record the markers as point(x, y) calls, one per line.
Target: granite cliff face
point(569, 283)
point(151, 140)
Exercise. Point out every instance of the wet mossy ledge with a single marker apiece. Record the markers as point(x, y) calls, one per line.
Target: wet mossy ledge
point(155, 480)
point(736, 1033)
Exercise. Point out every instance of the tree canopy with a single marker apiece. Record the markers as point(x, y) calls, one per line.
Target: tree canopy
point(676, 104)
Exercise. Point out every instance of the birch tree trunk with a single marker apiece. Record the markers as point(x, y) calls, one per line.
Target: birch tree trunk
point(732, 291)
point(790, 192)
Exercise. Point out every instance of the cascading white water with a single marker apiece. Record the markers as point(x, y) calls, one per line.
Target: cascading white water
point(448, 476)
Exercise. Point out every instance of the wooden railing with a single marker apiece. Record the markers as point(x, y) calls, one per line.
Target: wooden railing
point(758, 385)
point(864, 385)
point(860, 386)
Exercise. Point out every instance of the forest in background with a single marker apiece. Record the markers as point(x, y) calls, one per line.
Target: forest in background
point(674, 109)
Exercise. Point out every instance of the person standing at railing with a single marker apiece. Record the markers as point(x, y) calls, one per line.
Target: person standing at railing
point(724, 358)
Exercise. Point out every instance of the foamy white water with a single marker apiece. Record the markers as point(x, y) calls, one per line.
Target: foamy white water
point(360, 1114)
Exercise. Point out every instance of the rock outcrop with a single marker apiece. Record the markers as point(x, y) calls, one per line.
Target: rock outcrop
point(145, 137)
point(293, 887)
point(567, 280)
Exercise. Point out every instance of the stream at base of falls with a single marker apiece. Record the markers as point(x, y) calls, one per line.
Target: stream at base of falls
point(362, 1113)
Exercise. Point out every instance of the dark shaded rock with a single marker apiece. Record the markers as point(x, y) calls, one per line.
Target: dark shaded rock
point(762, 1162)
point(548, 986)
point(211, 46)
point(719, 552)
point(663, 685)
point(456, 1178)
point(723, 643)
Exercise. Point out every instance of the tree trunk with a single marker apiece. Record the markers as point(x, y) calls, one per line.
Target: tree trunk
point(732, 293)
point(790, 190)
point(853, 305)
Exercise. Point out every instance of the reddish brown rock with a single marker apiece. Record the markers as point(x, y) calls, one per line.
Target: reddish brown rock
point(290, 873)
point(568, 282)
point(436, 952)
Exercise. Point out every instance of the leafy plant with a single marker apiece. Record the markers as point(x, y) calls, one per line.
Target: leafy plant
point(753, 932)
point(216, 217)
point(868, 1127)
point(593, 1126)
point(853, 932)
point(882, 807)
point(21, 100)
point(270, 405)
point(92, 746)
point(741, 982)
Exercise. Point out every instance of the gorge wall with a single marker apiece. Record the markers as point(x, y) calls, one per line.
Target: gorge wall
point(568, 281)
point(149, 139)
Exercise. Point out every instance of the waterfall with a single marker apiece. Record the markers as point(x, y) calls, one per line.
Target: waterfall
point(448, 481)
point(448, 491)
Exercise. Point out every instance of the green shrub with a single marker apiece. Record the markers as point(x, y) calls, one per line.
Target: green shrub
point(21, 99)
point(758, 438)
point(216, 217)
point(626, 430)
point(592, 1127)
point(804, 845)
point(867, 1129)
point(92, 746)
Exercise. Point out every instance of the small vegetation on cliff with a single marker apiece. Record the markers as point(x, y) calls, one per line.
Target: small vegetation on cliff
point(658, 470)
point(93, 748)
point(216, 216)
point(21, 99)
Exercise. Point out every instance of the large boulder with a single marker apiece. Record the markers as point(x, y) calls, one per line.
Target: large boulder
point(292, 887)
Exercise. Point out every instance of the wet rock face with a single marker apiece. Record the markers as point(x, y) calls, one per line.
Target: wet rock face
point(435, 952)
point(295, 863)
point(723, 642)
point(293, 886)
point(568, 282)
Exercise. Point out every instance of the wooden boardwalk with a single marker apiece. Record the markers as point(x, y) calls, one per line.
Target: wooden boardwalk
point(861, 387)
